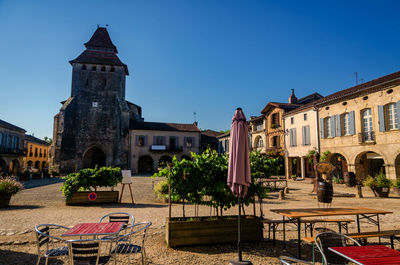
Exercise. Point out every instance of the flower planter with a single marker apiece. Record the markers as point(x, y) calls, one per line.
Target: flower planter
point(381, 192)
point(5, 200)
point(82, 197)
point(207, 230)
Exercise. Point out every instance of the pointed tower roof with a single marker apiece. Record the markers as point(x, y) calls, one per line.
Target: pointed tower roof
point(100, 39)
point(100, 50)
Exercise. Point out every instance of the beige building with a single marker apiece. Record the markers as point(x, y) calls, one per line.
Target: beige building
point(301, 136)
point(360, 127)
point(258, 133)
point(12, 148)
point(152, 144)
point(37, 154)
point(223, 143)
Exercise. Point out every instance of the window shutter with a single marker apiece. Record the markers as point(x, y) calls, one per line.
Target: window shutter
point(145, 140)
point(291, 137)
point(185, 141)
point(193, 142)
point(177, 141)
point(322, 129)
point(333, 126)
point(220, 149)
point(137, 140)
point(164, 140)
point(338, 126)
point(294, 137)
point(303, 136)
point(397, 116)
point(352, 129)
point(154, 140)
point(308, 135)
point(381, 118)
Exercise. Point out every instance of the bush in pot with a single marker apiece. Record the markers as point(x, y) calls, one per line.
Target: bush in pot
point(396, 187)
point(379, 185)
point(8, 187)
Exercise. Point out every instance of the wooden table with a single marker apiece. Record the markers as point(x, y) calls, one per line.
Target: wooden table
point(95, 229)
point(294, 216)
point(368, 255)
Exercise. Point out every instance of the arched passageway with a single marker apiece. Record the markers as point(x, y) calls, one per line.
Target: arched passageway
point(14, 167)
point(340, 164)
point(93, 157)
point(145, 164)
point(164, 160)
point(369, 164)
point(397, 166)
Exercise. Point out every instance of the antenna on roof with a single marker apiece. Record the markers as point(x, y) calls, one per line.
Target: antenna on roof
point(98, 26)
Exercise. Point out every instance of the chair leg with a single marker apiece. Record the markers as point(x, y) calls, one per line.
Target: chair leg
point(38, 260)
point(47, 260)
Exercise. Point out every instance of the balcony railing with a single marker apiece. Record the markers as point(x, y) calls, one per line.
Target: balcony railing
point(366, 137)
point(165, 148)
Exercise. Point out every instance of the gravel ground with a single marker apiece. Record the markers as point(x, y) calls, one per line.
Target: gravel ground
point(43, 202)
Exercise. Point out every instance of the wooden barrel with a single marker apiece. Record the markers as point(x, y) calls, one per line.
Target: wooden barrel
point(349, 179)
point(324, 192)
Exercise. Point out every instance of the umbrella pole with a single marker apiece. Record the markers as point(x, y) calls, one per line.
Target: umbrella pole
point(239, 232)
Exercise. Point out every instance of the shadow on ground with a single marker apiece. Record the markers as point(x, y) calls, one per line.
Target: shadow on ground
point(10, 257)
point(22, 207)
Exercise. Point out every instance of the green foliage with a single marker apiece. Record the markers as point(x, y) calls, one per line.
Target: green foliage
point(336, 180)
point(55, 173)
point(396, 183)
point(203, 180)
point(225, 131)
point(161, 190)
point(325, 156)
point(47, 139)
point(310, 156)
point(382, 181)
point(294, 177)
point(89, 179)
point(370, 182)
point(9, 186)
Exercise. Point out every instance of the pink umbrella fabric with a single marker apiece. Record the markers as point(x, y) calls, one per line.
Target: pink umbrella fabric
point(239, 177)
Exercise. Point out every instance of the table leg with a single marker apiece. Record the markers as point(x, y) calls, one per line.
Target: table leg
point(284, 231)
point(379, 227)
point(358, 224)
point(299, 237)
point(313, 253)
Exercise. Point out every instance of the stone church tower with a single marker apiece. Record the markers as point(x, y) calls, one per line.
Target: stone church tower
point(92, 127)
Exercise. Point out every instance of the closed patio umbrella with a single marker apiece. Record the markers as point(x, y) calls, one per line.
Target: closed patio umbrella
point(239, 177)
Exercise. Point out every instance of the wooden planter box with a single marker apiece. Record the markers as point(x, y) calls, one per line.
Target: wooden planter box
point(82, 197)
point(205, 231)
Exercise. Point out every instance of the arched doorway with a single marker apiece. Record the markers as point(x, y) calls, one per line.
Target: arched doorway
point(397, 166)
point(37, 165)
point(14, 167)
point(3, 166)
point(145, 164)
point(369, 164)
point(164, 160)
point(186, 157)
point(93, 157)
point(340, 164)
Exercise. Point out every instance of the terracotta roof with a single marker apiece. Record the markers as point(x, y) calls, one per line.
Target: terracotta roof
point(224, 135)
point(11, 126)
point(161, 126)
point(211, 133)
point(256, 118)
point(355, 89)
point(310, 98)
point(100, 50)
point(285, 106)
point(101, 39)
point(33, 139)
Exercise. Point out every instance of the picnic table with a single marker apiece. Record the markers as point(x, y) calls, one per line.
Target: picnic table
point(368, 255)
point(294, 216)
point(95, 229)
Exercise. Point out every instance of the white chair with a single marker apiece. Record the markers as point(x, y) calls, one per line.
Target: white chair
point(48, 245)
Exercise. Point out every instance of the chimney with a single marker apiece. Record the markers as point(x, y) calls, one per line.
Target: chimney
point(195, 123)
point(292, 98)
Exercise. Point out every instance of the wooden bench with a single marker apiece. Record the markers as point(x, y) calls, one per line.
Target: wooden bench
point(308, 224)
point(392, 234)
point(274, 184)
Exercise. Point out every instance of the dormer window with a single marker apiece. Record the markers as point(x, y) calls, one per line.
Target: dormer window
point(103, 69)
point(84, 67)
point(94, 68)
point(112, 69)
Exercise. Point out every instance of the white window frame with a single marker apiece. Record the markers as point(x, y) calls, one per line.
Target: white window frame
point(346, 123)
point(328, 127)
point(391, 112)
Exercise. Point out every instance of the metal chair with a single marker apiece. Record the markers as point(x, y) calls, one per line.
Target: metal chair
point(48, 245)
point(86, 252)
point(289, 261)
point(119, 217)
point(128, 247)
point(332, 239)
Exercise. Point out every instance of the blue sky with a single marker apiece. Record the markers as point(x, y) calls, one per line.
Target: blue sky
point(184, 56)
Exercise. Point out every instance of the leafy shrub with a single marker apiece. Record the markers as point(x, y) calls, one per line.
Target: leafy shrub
point(9, 186)
point(89, 179)
point(161, 190)
point(396, 183)
point(25, 175)
point(382, 181)
point(336, 180)
point(55, 173)
point(370, 182)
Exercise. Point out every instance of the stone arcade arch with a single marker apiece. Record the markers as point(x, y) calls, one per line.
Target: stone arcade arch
point(93, 157)
point(145, 164)
point(397, 166)
point(340, 163)
point(14, 167)
point(369, 164)
point(163, 160)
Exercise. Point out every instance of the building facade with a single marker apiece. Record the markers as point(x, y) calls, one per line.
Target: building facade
point(301, 136)
point(92, 127)
point(223, 143)
point(152, 144)
point(37, 154)
point(359, 126)
point(12, 149)
point(258, 133)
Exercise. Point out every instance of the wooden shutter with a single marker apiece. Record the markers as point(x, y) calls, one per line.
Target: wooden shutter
point(290, 137)
point(163, 140)
point(177, 141)
point(381, 118)
point(220, 148)
point(308, 141)
point(303, 136)
point(397, 116)
point(193, 142)
point(145, 140)
point(338, 126)
point(294, 137)
point(322, 128)
point(352, 129)
point(333, 126)
point(137, 140)
point(154, 140)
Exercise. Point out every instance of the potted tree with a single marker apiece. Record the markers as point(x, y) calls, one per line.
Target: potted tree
point(396, 187)
point(380, 185)
point(8, 187)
